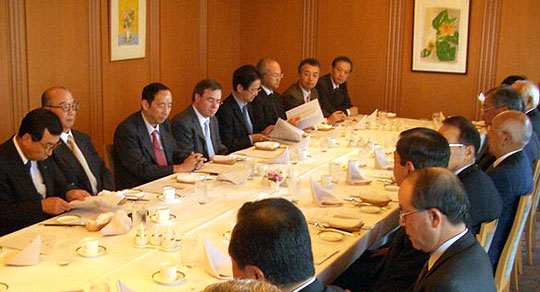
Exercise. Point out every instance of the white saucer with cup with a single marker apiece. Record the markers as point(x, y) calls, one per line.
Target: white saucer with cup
point(168, 274)
point(168, 194)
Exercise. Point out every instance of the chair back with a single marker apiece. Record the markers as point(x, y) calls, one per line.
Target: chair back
point(109, 161)
point(506, 261)
point(487, 231)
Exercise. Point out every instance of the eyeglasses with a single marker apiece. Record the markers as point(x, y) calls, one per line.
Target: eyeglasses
point(254, 91)
point(456, 145)
point(403, 215)
point(277, 75)
point(213, 100)
point(47, 146)
point(67, 107)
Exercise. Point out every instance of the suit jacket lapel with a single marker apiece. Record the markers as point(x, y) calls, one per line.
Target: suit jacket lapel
point(196, 123)
point(461, 244)
point(239, 114)
point(47, 179)
point(145, 137)
point(168, 143)
point(214, 134)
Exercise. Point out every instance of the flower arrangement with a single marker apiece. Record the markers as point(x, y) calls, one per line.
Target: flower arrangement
point(446, 39)
point(274, 176)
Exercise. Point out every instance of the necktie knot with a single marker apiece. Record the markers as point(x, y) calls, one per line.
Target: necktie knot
point(28, 165)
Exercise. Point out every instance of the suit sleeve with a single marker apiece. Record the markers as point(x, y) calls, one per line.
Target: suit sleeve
point(227, 132)
point(128, 153)
point(184, 136)
point(107, 180)
point(324, 96)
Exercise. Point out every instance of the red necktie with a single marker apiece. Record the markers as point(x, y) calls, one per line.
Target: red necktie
point(160, 156)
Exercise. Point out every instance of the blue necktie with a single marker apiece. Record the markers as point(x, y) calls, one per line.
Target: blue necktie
point(247, 119)
point(208, 139)
point(27, 166)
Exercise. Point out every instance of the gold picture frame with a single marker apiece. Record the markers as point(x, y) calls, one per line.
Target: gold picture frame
point(128, 29)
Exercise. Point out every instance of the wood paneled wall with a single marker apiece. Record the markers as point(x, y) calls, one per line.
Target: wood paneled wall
point(66, 42)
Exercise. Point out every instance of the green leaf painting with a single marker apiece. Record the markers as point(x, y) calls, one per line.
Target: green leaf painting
point(446, 39)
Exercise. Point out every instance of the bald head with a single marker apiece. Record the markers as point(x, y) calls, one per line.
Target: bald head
point(51, 92)
point(510, 130)
point(271, 74)
point(529, 93)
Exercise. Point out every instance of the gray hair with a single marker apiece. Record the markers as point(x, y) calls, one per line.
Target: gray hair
point(247, 285)
point(528, 90)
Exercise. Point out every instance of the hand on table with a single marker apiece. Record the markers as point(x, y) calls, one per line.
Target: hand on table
point(268, 129)
point(77, 195)
point(336, 117)
point(192, 162)
point(54, 206)
point(259, 138)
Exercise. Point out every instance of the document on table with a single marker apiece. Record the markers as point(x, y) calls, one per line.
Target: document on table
point(310, 114)
point(284, 131)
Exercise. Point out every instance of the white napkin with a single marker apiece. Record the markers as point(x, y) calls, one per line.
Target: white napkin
point(121, 287)
point(105, 199)
point(236, 176)
point(441, 116)
point(380, 160)
point(372, 117)
point(29, 256)
point(351, 225)
point(304, 143)
point(361, 125)
point(282, 158)
point(481, 97)
point(216, 263)
point(322, 197)
point(354, 174)
point(120, 224)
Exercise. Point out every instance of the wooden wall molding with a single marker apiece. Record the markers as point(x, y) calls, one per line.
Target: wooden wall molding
point(203, 39)
point(18, 60)
point(394, 57)
point(309, 29)
point(487, 55)
point(95, 82)
point(155, 60)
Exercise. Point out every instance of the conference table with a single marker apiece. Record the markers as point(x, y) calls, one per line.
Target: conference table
point(214, 220)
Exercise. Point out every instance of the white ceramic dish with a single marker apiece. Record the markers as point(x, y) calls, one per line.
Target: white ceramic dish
point(328, 235)
point(153, 218)
point(101, 251)
point(267, 145)
point(180, 277)
point(190, 178)
point(69, 219)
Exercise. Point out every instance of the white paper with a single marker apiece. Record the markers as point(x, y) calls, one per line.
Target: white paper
point(29, 256)
point(310, 114)
point(322, 197)
point(283, 158)
point(216, 263)
point(104, 199)
point(303, 145)
point(287, 132)
point(380, 160)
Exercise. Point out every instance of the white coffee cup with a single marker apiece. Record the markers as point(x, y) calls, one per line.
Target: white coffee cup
point(162, 214)
point(90, 246)
point(168, 193)
point(168, 271)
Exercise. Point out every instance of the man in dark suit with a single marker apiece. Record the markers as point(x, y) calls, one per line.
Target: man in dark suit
point(499, 99)
point(236, 117)
point(196, 129)
point(485, 201)
point(332, 88)
point(433, 207)
point(270, 242)
point(530, 95)
point(75, 156)
point(510, 172)
point(304, 90)
point(144, 148)
point(32, 188)
point(394, 268)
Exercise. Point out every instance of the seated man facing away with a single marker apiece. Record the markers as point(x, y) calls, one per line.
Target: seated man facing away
point(433, 206)
point(236, 118)
point(511, 174)
point(243, 285)
point(144, 149)
point(76, 156)
point(530, 95)
point(395, 268)
point(304, 90)
point(332, 88)
point(485, 201)
point(270, 242)
point(196, 129)
point(32, 188)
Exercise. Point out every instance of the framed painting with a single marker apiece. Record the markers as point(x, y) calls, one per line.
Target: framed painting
point(128, 29)
point(440, 36)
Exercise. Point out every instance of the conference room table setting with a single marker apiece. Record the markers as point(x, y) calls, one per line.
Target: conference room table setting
point(172, 234)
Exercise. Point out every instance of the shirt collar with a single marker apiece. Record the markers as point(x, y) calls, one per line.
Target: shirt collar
point(334, 85)
point(202, 120)
point(268, 91)
point(305, 93)
point(21, 154)
point(241, 104)
point(530, 110)
point(463, 168)
point(502, 158)
point(302, 286)
point(149, 126)
point(64, 136)
point(441, 249)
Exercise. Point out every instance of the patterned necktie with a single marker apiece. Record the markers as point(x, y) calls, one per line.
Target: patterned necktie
point(208, 139)
point(160, 156)
point(247, 119)
point(308, 97)
point(82, 160)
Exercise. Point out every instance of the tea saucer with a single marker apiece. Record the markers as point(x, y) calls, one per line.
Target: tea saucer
point(69, 219)
point(101, 251)
point(329, 235)
point(180, 277)
point(153, 218)
point(176, 198)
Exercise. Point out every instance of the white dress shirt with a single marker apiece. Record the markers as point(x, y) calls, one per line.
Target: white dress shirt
point(151, 129)
point(37, 178)
point(268, 91)
point(305, 93)
point(461, 169)
point(502, 158)
point(81, 158)
point(441, 249)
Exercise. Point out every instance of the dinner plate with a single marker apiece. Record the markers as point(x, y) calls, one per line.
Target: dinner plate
point(267, 145)
point(101, 251)
point(191, 178)
point(370, 209)
point(69, 219)
point(324, 127)
point(180, 277)
point(329, 235)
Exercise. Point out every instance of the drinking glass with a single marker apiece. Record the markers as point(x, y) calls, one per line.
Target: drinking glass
point(201, 192)
point(190, 250)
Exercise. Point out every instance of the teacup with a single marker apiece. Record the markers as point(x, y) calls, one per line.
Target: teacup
point(162, 214)
point(168, 193)
point(168, 271)
point(90, 246)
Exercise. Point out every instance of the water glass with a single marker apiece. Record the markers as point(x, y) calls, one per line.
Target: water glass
point(334, 169)
point(190, 250)
point(138, 214)
point(63, 248)
point(201, 192)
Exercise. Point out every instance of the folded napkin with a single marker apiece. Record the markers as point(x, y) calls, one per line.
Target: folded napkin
point(120, 224)
point(354, 174)
point(436, 124)
point(282, 158)
point(29, 256)
point(481, 97)
point(372, 117)
point(351, 225)
point(216, 263)
point(322, 197)
point(121, 287)
point(380, 160)
point(236, 176)
point(304, 143)
point(105, 199)
point(361, 125)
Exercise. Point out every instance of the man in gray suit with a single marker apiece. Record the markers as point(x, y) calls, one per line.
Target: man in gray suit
point(304, 90)
point(433, 208)
point(196, 128)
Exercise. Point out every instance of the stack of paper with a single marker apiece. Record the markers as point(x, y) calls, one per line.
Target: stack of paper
point(310, 114)
point(284, 131)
